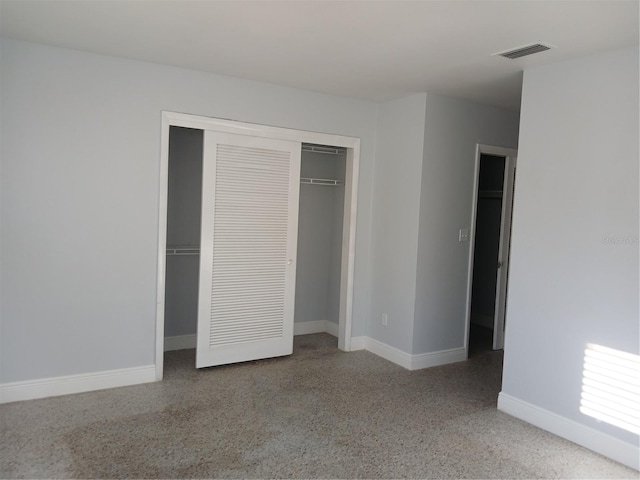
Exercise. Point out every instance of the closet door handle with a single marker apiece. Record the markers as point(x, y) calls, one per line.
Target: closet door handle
point(289, 262)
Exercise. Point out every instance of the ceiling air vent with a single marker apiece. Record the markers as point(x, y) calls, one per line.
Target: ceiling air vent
point(523, 51)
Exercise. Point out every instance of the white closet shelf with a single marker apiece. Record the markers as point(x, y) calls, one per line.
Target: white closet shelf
point(322, 181)
point(182, 250)
point(308, 147)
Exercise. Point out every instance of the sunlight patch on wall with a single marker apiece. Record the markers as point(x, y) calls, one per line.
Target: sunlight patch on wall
point(611, 387)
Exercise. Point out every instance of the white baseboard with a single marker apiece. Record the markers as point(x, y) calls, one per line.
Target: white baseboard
point(332, 328)
point(602, 443)
point(406, 360)
point(180, 342)
point(388, 353)
point(317, 326)
point(51, 387)
point(442, 357)
point(306, 328)
point(55, 386)
point(358, 343)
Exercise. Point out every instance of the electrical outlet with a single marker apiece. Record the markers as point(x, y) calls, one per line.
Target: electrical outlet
point(463, 235)
point(385, 319)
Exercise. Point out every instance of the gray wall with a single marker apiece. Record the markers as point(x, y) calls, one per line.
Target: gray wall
point(453, 127)
point(396, 200)
point(80, 150)
point(184, 205)
point(574, 256)
point(425, 161)
point(184, 201)
point(181, 295)
point(319, 239)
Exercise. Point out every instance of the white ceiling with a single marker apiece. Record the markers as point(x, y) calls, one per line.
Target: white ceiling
point(374, 50)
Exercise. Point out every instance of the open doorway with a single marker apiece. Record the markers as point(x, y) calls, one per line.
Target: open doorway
point(490, 237)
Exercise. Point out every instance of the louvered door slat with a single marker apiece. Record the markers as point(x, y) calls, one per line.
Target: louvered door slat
point(249, 235)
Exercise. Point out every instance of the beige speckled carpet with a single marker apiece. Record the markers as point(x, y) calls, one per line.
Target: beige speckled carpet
point(320, 413)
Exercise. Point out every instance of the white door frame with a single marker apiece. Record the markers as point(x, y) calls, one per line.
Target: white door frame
point(352, 144)
point(510, 155)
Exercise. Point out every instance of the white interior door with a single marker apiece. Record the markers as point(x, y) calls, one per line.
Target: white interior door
point(503, 252)
point(248, 247)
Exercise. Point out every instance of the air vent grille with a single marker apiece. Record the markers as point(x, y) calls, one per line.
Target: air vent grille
point(523, 51)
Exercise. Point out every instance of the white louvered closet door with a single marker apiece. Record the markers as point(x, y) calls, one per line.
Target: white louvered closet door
point(248, 248)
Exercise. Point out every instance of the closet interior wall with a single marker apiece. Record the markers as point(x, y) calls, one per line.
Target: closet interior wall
point(487, 240)
point(183, 231)
point(320, 225)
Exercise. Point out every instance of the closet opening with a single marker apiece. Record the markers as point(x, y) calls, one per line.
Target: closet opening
point(485, 259)
point(491, 233)
point(320, 225)
point(184, 203)
point(327, 167)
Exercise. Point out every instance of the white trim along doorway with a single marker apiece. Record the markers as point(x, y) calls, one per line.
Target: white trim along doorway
point(352, 146)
